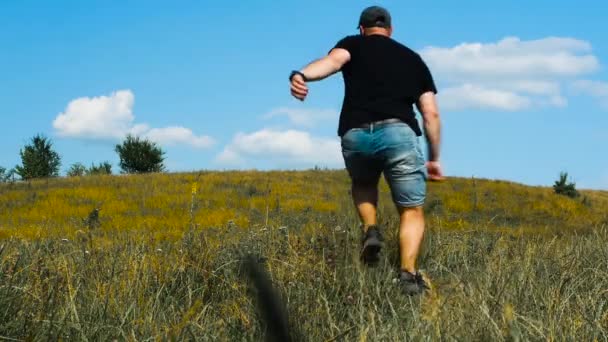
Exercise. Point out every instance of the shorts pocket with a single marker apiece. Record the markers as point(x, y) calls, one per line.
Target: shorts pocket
point(352, 140)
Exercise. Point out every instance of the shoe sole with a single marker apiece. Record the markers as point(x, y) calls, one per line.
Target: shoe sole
point(370, 251)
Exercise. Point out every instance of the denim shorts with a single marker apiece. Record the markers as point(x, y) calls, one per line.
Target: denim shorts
point(392, 149)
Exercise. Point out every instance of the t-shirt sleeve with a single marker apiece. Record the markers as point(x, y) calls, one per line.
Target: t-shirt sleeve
point(347, 43)
point(426, 82)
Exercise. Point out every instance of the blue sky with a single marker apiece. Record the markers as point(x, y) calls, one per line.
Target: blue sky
point(523, 86)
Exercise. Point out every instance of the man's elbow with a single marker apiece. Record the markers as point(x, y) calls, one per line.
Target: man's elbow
point(431, 116)
point(337, 58)
point(335, 64)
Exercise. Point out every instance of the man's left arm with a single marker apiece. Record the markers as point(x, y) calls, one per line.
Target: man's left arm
point(318, 70)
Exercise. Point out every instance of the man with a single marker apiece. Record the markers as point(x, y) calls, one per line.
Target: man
point(379, 131)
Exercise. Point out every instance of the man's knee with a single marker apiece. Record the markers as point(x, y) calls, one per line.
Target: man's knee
point(365, 184)
point(411, 210)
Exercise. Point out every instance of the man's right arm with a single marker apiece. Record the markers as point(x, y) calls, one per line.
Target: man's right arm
point(318, 70)
point(427, 105)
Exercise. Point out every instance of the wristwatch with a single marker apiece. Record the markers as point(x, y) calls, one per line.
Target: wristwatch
point(295, 72)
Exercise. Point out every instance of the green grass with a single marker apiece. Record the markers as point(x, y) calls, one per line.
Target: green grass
point(543, 278)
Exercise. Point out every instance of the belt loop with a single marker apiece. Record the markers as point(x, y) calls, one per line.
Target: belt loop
point(371, 128)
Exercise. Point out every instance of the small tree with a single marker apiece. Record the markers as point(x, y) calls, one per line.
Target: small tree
point(104, 168)
point(7, 175)
point(38, 159)
point(140, 156)
point(76, 170)
point(562, 187)
point(3, 175)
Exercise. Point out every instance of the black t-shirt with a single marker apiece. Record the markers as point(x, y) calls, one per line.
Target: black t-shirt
point(382, 80)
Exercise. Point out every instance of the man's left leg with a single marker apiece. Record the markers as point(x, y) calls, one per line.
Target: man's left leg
point(365, 197)
point(364, 171)
point(411, 235)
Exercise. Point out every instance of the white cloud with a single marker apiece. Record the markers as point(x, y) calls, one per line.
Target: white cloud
point(508, 75)
point(597, 89)
point(288, 148)
point(178, 135)
point(513, 58)
point(505, 97)
point(230, 157)
point(303, 117)
point(97, 117)
point(472, 96)
point(111, 117)
point(533, 87)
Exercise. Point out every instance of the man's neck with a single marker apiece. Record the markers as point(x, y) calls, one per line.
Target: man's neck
point(376, 32)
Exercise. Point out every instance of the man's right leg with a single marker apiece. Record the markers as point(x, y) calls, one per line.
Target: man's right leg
point(411, 230)
point(404, 171)
point(411, 235)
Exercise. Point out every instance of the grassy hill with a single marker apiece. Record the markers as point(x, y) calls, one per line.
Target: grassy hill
point(160, 259)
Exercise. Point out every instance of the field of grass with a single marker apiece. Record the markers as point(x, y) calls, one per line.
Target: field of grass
point(162, 260)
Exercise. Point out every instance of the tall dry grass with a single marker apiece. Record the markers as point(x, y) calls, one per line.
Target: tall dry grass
point(162, 261)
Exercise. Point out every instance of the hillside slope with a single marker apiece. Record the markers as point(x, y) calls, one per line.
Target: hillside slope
point(170, 203)
point(161, 260)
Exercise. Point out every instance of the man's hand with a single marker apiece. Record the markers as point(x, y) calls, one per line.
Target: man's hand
point(434, 170)
point(427, 105)
point(319, 70)
point(299, 89)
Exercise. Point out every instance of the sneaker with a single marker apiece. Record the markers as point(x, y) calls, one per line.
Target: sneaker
point(371, 245)
point(412, 284)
